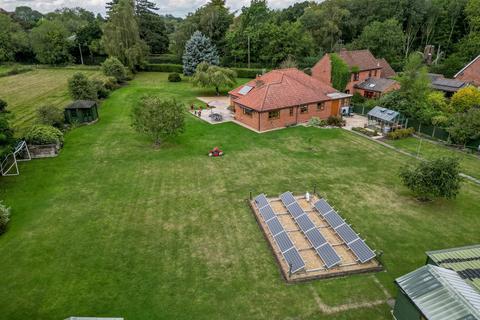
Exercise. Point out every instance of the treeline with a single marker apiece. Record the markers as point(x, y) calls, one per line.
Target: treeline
point(258, 35)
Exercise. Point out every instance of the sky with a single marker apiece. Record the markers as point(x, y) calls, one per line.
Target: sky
point(177, 8)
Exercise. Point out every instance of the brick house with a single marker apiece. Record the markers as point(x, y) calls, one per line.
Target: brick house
point(285, 97)
point(470, 73)
point(371, 73)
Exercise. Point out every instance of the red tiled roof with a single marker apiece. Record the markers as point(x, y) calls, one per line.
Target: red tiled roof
point(387, 70)
point(362, 59)
point(282, 88)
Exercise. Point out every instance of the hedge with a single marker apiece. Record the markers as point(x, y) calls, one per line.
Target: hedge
point(164, 67)
point(248, 73)
point(164, 58)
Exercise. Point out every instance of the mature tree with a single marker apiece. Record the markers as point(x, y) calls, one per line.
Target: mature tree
point(212, 19)
point(50, 43)
point(112, 67)
point(81, 88)
point(438, 102)
point(27, 17)
point(383, 39)
point(472, 11)
point(12, 38)
point(324, 22)
point(465, 126)
point(121, 36)
point(207, 75)
point(151, 26)
point(289, 62)
point(158, 118)
point(197, 50)
point(465, 99)
point(293, 12)
point(439, 178)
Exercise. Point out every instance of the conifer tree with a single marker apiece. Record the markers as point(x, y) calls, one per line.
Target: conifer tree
point(197, 50)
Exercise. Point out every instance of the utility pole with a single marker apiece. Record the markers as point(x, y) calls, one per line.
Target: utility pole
point(81, 55)
point(248, 51)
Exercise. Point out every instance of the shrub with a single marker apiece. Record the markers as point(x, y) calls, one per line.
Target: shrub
point(101, 89)
point(248, 73)
point(3, 106)
point(4, 217)
point(112, 67)
point(358, 99)
point(174, 77)
point(316, 122)
point(438, 178)
point(370, 133)
point(50, 116)
point(111, 84)
point(400, 133)
point(335, 121)
point(164, 67)
point(43, 134)
point(81, 88)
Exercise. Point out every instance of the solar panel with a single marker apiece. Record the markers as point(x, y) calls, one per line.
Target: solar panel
point(267, 213)
point(315, 238)
point(261, 201)
point(294, 260)
point(275, 226)
point(305, 223)
point(361, 250)
point(328, 255)
point(346, 233)
point(323, 207)
point(295, 210)
point(283, 241)
point(245, 90)
point(333, 219)
point(287, 198)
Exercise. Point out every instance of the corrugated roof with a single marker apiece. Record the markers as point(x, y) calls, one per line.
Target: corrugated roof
point(282, 88)
point(440, 294)
point(384, 114)
point(464, 260)
point(376, 84)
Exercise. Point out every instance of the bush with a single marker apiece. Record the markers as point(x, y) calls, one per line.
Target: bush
point(164, 58)
point(101, 89)
point(43, 134)
point(248, 73)
point(438, 178)
point(81, 88)
point(370, 133)
point(165, 67)
point(174, 77)
point(111, 84)
point(335, 121)
point(112, 67)
point(358, 99)
point(4, 217)
point(3, 106)
point(400, 133)
point(316, 122)
point(50, 116)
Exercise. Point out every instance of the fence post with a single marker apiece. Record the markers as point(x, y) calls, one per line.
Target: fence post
point(433, 132)
point(420, 128)
point(363, 110)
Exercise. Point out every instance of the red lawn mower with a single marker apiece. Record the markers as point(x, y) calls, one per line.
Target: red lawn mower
point(216, 152)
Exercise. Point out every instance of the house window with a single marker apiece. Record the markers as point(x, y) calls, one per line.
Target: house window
point(272, 115)
point(320, 106)
point(304, 109)
point(368, 94)
point(370, 73)
point(347, 91)
point(291, 112)
point(375, 73)
point(356, 76)
point(247, 112)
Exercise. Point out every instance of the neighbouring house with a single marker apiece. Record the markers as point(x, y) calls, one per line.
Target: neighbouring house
point(285, 97)
point(448, 86)
point(447, 287)
point(81, 111)
point(367, 72)
point(470, 73)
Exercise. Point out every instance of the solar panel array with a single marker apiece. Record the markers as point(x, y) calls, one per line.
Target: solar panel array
point(281, 237)
point(359, 248)
point(321, 246)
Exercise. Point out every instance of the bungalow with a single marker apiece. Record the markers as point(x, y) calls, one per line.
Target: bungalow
point(285, 97)
point(470, 73)
point(368, 71)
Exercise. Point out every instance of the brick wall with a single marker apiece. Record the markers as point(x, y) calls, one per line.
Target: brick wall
point(471, 74)
point(362, 76)
point(323, 69)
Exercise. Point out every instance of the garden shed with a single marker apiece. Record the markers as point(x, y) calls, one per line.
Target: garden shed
point(385, 120)
point(81, 111)
point(435, 293)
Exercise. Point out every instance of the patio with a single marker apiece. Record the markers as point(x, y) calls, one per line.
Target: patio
point(217, 110)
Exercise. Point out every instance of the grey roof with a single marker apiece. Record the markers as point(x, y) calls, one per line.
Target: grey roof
point(81, 104)
point(440, 294)
point(438, 82)
point(376, 84)
point(384, 114)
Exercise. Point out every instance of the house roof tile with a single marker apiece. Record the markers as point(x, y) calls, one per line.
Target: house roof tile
point(362, 59)
point(387, 70)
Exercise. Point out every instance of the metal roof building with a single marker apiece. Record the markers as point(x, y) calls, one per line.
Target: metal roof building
point(436, 293)
point(464, 260)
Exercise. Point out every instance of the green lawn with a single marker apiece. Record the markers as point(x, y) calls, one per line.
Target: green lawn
point(114, 227)
point(470, 164)
point(28, 91)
